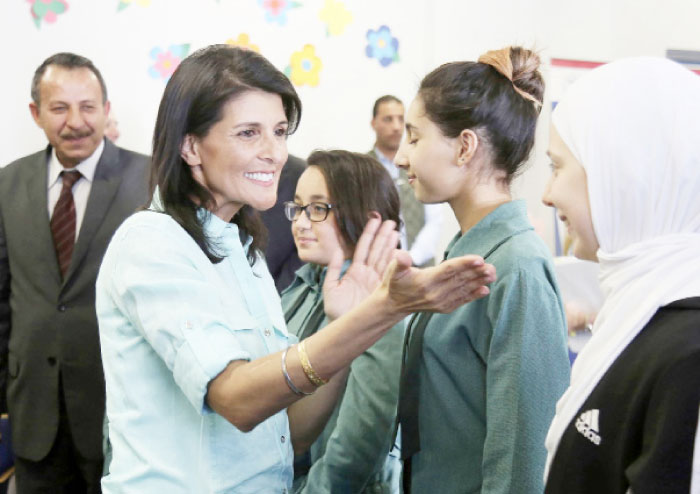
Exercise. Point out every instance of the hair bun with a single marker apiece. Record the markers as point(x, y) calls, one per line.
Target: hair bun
point(521, 67)
point(499, 60)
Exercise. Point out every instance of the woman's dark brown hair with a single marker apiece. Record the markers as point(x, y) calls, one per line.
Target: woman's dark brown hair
point(499, 97)
point(192, 103)
point(358, 185)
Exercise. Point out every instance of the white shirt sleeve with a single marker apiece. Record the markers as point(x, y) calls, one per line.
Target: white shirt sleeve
point(423, 248)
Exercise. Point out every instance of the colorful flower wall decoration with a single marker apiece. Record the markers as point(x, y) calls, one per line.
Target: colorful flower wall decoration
point(125, 3)
point(243, 41)
point(382, 46)
point(336, 17)
point(304, 67)
point(166, 61)
point(47, 10)
point(276, 10)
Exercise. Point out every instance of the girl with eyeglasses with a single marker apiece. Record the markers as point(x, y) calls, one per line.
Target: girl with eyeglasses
point(207, 391)
point(335, 198)
point(480, 384)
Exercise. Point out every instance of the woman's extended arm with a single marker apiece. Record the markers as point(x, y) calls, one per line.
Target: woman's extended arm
point(246, 393)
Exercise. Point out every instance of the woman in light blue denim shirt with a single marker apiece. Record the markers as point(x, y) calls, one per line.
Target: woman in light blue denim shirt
point(204, 391)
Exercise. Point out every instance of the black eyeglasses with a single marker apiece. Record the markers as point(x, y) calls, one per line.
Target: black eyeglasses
point(315, 211)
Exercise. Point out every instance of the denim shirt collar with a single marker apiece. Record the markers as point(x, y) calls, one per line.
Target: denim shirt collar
point(218, 231)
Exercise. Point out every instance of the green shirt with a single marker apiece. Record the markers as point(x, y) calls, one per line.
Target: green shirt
point(492, 371)
point(351, 454)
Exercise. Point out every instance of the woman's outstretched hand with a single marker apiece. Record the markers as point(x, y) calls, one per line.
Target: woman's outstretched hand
point(441, 288)
point(377, 264)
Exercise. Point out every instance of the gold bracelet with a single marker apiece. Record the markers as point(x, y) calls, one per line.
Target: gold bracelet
point(306, 365)
point(291, 385)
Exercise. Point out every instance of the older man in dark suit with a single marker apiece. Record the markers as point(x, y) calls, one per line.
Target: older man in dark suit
point(58, 210)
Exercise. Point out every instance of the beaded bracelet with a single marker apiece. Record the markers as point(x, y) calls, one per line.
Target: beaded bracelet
point(308, 368)
point(291, 385)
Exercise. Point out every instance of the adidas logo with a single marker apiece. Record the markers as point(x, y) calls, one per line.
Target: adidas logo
point(587, 425)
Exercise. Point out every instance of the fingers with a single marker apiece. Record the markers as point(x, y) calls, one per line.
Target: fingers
point(378, 243)
point(465, 264)
point(467, 288)
point(387, 258)
point(456, 282)
point(471, 268)
point(457, 270)
point(468, 282)
point(334, 268)
point(390, 271)
point(465, 298)
point(403, 258)
point(377, 246)
point(399, 266)
point(442, 288)
point(383, 247)
point(458, 297)
point(365, 241)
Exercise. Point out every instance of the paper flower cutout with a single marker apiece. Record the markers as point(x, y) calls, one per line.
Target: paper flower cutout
point(166, 61)
point(243, 41)
point(382, 46)
point(304, 67)
point(125, 3)
point(336, 17)
point(276, 10)
point(47, 10)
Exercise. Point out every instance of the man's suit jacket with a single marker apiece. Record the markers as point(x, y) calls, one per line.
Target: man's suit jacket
point(49, 326)
point(281, 252)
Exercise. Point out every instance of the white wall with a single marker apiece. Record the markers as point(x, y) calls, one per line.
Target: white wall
point(337, 112)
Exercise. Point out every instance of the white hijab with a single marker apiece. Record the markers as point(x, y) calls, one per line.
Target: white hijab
point(634, 125)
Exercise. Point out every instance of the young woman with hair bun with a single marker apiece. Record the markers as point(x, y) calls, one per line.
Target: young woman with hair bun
point(479, 385)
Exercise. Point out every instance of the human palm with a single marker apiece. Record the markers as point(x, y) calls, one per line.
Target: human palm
point(373, 253)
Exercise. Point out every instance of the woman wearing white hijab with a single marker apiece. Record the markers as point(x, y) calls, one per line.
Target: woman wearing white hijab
point(625, 150)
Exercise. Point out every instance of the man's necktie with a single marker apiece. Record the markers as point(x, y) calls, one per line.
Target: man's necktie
point(63, 221)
